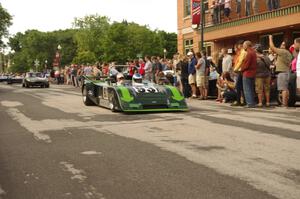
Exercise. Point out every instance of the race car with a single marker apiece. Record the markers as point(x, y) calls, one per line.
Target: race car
point(33, 79)
point(14, 79)
point(131, 96)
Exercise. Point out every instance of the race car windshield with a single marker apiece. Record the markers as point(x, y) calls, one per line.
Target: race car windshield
point(34, 75)
point(139, 81)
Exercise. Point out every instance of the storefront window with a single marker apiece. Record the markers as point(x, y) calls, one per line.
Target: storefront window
point(187, 7)
point(188, 45)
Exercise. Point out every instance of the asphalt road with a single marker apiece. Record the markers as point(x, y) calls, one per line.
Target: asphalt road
point(53, 147)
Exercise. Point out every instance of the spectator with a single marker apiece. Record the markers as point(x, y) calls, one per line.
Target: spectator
point(276, 4)
point(297, 49)
point(248, 7)
point(200, 75)
point(239, 58)
point(157, 68)
point(282, 64)
point(214, 12)
point(183, 66)
point(263, 76)
point(238, 8)
point(192, 73)
point(229, 93)
point(105, 69)
point(88, 70)
point(249, 71)
point(208, 64)
point(269, 5)
point(220, 63)
point(148, 69)
point(221, 9)
point(255, 6)
point(227, 61)
point(227, 9)
point(142, 67)
point(113, 71)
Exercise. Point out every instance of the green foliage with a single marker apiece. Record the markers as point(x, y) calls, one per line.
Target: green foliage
point(5, 22)
point(85, 57)
point(93, 39)
point(42, 46)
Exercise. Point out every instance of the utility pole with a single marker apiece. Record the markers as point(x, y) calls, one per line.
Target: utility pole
point(202, 24)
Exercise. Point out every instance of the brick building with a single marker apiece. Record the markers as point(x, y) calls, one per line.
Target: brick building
point(283, 24)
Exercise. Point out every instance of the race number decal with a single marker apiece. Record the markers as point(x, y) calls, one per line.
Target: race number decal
point(145, 89)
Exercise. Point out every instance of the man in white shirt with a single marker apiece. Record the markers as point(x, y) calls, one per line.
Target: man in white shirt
point(227, 61)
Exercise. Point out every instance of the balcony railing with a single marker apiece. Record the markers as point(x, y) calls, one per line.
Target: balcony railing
point(259, 17)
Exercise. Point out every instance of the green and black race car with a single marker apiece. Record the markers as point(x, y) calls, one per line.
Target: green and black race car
point(130, 97)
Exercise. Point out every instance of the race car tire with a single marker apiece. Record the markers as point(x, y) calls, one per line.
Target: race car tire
point(86, 100)
point(113, 102)
point(23, 85)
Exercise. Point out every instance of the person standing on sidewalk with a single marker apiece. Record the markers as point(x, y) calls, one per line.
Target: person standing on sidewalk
point(297, 49)
point(249, 71)
point(282, 64)
point(184, 77)
point(148, 68)
point(200, 75)
point(192, 73)
point(263, 76)
point(239, 58)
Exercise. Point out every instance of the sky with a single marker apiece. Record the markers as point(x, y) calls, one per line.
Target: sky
point(49, 15)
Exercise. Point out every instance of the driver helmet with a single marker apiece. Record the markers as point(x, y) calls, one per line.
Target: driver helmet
point(137, 78)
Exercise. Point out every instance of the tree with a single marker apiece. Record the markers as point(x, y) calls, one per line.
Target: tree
point(42, 46)
point(90, 33)
point(5, 22)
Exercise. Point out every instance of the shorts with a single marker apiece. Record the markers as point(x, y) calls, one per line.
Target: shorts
point(262, 85)
point(283, 81)
point(227, 12)
point(192, 79)
point(202, 81)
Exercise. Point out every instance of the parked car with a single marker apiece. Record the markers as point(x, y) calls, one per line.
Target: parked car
point(35, 79)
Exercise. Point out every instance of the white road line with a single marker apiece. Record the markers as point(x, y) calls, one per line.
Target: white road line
point(91, 153)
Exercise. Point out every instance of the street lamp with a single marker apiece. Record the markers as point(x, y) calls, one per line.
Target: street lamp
point(46, 65)
point(58, 56)
point(165, 53)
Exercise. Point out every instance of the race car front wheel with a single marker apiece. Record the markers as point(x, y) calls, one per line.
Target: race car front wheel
point(86, 100)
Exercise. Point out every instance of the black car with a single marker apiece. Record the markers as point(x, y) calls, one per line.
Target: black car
point(35, 79)
point(14, 79)
point(3, 78)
